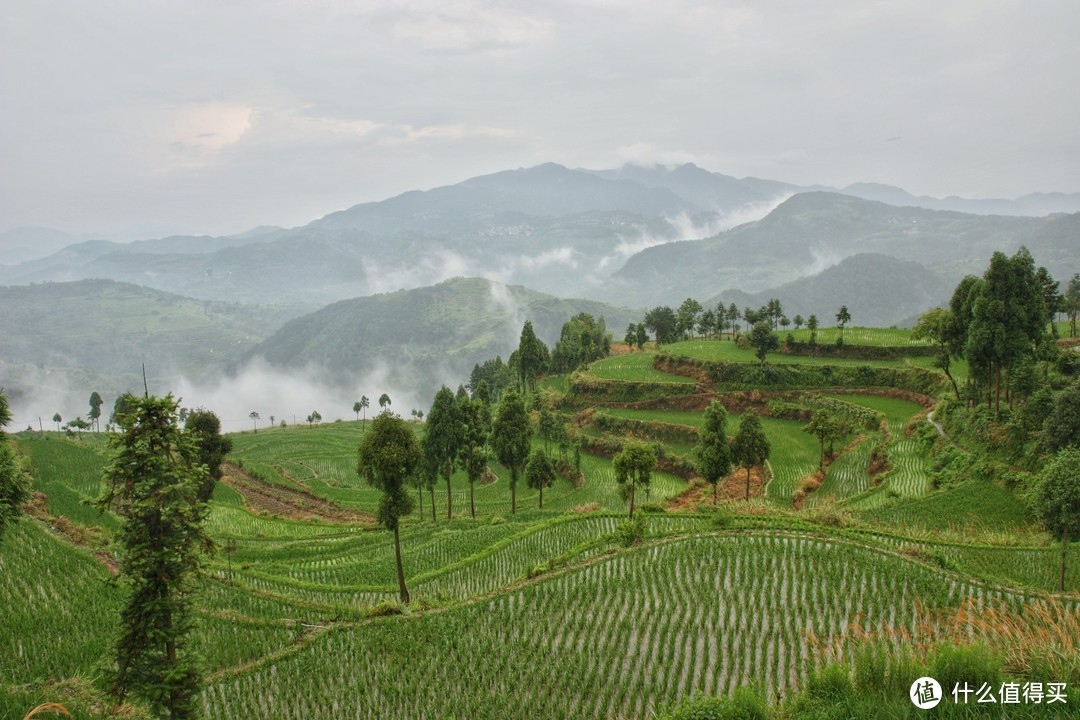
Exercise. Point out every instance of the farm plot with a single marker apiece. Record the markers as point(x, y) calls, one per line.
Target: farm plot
point(635, 367)
point(618, 637)
point(909, 476)
point(794, 455)
point(69, 473)
point(57, 607)
point(727, 351)
point(848, 475)
point(881, 337)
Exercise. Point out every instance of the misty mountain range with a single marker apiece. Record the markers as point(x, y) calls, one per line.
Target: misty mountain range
point(632, 238)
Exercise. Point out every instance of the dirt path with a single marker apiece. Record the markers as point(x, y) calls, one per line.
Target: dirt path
point(262, 496)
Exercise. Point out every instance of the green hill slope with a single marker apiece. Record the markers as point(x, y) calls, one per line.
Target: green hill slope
point(426, 334)
point(101, 332)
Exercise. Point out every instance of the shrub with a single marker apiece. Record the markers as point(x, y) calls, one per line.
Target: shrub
point(973, 664)
point(744, 704)
point(630, 532)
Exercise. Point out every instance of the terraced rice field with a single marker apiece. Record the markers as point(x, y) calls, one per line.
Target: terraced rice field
point(909, 476)
point(635, 367)
point(618, 637)
point(881, 337)
point(727, 351)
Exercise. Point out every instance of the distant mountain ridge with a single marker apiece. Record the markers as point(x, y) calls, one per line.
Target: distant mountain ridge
point(636, 236)
point(425, 336)
point(813, 231)
point(879, 290)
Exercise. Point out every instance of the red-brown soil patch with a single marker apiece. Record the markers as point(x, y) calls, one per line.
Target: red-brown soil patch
point(282, 501)
point(733, 487)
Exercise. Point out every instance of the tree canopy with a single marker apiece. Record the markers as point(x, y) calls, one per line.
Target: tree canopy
point(511, 436)
point(634, 466)
point(712, 452)
point(750, 448)
point(153, 484)
point(388, 457)
point(1058, 500)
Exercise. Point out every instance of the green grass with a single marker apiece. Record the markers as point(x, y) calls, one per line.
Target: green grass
point(616, 638)
point(881, 337)
point(727, 351)
point(636, 367)
point(70, 474)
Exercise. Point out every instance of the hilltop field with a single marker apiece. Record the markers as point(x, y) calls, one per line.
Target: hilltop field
point(840, 579)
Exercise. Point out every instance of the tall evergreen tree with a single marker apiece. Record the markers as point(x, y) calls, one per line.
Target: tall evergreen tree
point(443, 439)
point(511, 437)
point(1072, 302)
point(388, 457)
point(153, 484)
point(95, 409)
point(843, 317)
point(750, 448)
point(634, 466)
point(475, 418)
point(531, 355)
point(539, 472)
point(712, 452)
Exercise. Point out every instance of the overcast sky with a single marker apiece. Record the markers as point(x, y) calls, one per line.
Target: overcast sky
point(148, 117)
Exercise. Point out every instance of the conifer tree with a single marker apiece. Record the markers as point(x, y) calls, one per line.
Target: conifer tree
point(153, 485)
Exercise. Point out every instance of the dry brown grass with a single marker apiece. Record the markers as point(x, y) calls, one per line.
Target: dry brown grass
point(54, 708)
point(1040, 641)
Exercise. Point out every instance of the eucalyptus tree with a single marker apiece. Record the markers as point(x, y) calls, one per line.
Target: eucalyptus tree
point(364, 404)
point(475, 421)
point(712, 452)
point(443, 440)
point(1072, 302)
point(539, 472)
point(95, 409)
point(843, 317)
point(827, 428)
point(634, 466)
point(812, 326)
point(934, 326)
point(511, 436)
point(750, 448)
point(153, 484)
point(389, 456)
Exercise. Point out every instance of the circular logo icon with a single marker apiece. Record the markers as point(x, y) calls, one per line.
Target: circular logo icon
point(925, 693)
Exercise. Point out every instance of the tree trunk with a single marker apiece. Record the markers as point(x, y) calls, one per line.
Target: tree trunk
point(541, 495)
point(431, 489)
point(420, 492)
point(449, 499)
point(400, 572)
point(953, 381)
point(747, 483)
point(1064, 549)
point(472, 503)
point(997, 393)
point(632, 488)
point(513, 491)
point(715, 486)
